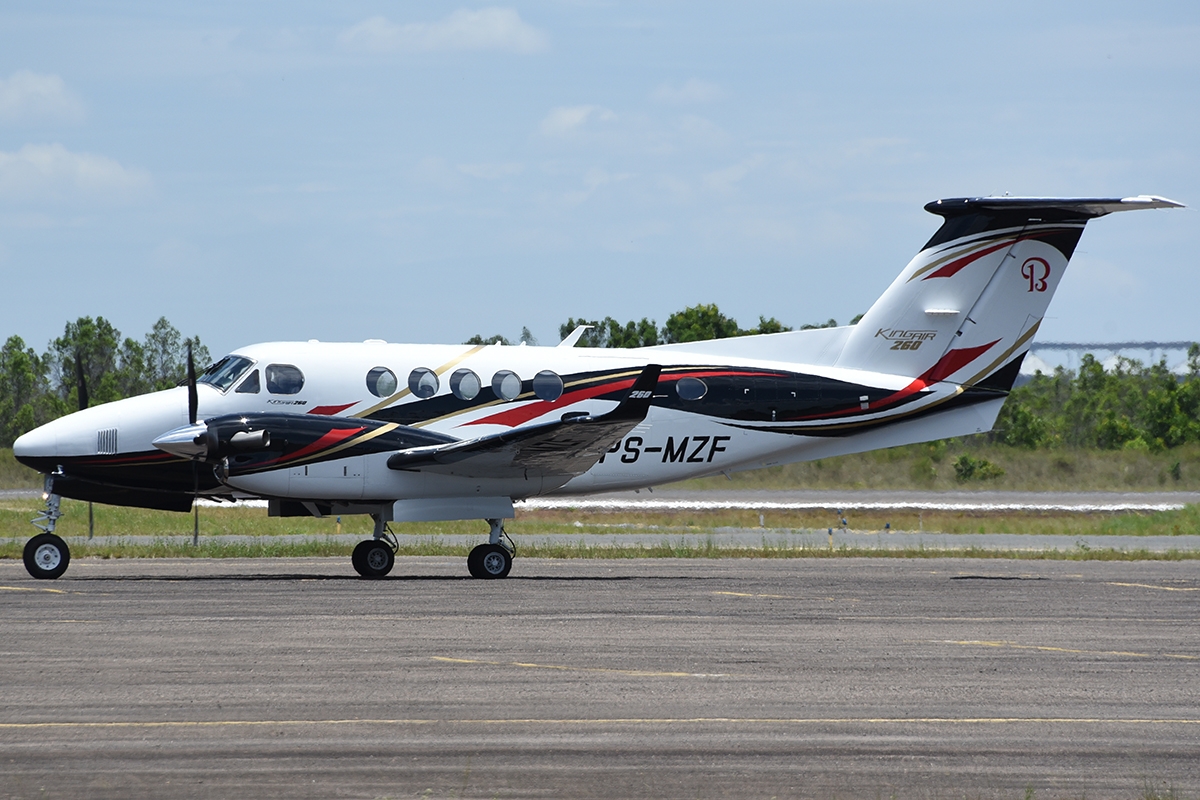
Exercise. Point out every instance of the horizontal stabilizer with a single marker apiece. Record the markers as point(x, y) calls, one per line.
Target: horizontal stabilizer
point(1082, 207)
point(564, 448)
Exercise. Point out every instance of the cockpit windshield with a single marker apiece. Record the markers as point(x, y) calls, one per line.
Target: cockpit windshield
point(225, 372)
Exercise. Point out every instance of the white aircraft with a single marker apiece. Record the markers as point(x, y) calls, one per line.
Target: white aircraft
point(442, 432)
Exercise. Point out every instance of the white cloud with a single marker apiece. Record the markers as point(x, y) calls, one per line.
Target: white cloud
point(485, 29)
point(727, 179)
point(39, 172)
point(29, 96)
point(690, 91)
point(567, 119)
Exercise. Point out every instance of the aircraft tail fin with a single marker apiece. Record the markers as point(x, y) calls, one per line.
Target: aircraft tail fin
point(965, 309)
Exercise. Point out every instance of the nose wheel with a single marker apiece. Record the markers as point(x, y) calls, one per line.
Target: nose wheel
point(46, 556)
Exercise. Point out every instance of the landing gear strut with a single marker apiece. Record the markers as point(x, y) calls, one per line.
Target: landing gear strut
point(494, 559)
point(47, 555)
point(375, 557)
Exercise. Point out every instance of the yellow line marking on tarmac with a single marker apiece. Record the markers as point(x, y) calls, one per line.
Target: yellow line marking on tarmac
point(613, 721)
point(1048, 649)
point(1160, 588)
point(32, 589)
point(641, 673)
point(744, 594)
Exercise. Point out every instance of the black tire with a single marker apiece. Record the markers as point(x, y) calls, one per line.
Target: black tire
point(489, 562)
point(357, 559)
point(46, 556)
point(373, 558)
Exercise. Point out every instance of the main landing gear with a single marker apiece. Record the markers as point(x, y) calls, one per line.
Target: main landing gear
point(375, 557)
point(494, 559)
point(47, 555)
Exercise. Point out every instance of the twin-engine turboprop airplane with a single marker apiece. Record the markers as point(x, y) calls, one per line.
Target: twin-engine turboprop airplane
point(443, 432)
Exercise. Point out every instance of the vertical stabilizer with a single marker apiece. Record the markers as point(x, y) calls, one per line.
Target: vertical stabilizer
point(967, 306)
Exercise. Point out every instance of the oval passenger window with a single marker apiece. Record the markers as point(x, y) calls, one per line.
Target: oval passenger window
point(506, 384)
point(547, 385)
point(465, 384)
point(284, 379)
point(691, 388)
point(381, 382)
point(423, 382)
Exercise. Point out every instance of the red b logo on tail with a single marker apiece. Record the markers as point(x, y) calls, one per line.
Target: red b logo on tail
point(1030, 270)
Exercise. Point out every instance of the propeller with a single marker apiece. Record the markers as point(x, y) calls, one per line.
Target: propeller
point(193, 408)
point(80, 381)
point(193, 399)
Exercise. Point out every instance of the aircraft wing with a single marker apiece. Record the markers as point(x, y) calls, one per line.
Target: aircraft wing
point(565, 448)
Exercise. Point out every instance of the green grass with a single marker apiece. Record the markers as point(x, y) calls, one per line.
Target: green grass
point(14, 475)
point(268, 536)
point(119, 521)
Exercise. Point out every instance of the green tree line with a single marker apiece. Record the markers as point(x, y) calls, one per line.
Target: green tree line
point(90, 363)
point(1130, 406)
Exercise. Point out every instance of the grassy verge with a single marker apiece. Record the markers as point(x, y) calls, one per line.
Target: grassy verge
point(117, 521)
point(268, 536)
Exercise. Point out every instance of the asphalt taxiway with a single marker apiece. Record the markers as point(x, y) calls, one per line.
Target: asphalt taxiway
point(592, 678)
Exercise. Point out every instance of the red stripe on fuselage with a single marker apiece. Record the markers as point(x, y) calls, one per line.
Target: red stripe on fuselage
point(329, 411)
point(946, 366)
point(331, 438)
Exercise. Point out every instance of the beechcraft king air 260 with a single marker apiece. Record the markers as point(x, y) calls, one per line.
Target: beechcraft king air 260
point(443, 432)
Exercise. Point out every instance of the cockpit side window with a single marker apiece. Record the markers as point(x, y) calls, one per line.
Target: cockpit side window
point(250, 385)
point(225, 372)
point(284, 379)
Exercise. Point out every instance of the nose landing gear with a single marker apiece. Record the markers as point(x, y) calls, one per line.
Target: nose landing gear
point(47, 555)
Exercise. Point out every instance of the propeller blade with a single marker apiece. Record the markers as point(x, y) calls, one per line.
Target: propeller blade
point(80, 382)
point(193, 398)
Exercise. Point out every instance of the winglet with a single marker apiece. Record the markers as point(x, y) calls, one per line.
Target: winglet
point(637, 403)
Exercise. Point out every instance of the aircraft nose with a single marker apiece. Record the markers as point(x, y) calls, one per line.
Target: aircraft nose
point(38, 443)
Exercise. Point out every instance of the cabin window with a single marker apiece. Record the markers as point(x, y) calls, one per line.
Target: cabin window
point(284, 379)
point(423, 383)
point(691, 388)
point(506, 385)
point(225, 372)
point(250, 385)
point(381, 382)
point(465, 384)
point(547, 385)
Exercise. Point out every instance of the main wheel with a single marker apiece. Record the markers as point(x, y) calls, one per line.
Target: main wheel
point(46, 556)
point(372, 558)
point(489, 561)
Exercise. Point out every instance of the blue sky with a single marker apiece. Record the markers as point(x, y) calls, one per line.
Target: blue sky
point(427, 171)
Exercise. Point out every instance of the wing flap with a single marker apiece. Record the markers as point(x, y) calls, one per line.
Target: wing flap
point(563, 448)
